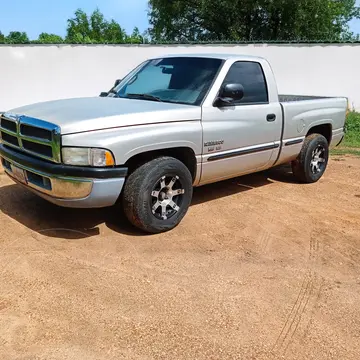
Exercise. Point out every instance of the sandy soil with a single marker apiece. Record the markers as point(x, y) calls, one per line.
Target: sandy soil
point(260, 268)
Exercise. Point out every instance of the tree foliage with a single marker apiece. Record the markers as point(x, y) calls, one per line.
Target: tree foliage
point(213, 20)
point(94, 29)
point(135, 37)
point(17, 37)
point(2, 38)
point(248, 20)
point(45, 38)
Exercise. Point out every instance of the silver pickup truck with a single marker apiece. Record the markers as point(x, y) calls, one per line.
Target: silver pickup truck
point(173, 123)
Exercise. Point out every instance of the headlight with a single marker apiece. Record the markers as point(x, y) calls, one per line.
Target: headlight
point(87, 157)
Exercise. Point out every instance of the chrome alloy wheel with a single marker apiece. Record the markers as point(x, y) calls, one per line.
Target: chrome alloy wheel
point(167, 197)
point(318, 160)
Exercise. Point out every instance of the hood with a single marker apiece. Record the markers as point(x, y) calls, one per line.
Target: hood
point(97, 113)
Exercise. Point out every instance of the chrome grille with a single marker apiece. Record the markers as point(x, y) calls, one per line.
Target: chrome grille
point(32, 136)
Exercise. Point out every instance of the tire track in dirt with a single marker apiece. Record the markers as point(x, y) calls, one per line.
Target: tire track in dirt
point(266, 236)
point(314, 245)
point(269, 235)
point(306, 303)
point(265, 240)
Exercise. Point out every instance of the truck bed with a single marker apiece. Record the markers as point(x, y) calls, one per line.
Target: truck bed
point(302, 113)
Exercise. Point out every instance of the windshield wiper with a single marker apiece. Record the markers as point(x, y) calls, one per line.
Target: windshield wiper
point(144, 96)
point(107, 93)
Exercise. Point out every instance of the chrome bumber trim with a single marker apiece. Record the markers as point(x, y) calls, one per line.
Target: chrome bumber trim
point(54, 143)
point(61, 187)
point(71, 192)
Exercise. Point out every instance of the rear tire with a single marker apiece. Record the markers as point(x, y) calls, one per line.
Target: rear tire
point(312, 161)
point(157, 195)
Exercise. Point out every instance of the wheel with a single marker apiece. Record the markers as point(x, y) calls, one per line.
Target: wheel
point(312, 161)
point(157, 195)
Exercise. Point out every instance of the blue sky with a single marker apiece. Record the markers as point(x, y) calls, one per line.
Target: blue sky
point(36, 16)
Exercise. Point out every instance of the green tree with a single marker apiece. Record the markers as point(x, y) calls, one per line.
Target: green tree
point(217, 20)
point(45, 38)
point(97, 26)
point(135, 37)
point(2, 38)
point(93, 29)
point(17, 37)
point(78, 30)
point(113, 33)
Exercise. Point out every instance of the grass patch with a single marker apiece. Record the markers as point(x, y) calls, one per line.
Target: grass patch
point(345, 151)
point(351, 142)
point(352, 126)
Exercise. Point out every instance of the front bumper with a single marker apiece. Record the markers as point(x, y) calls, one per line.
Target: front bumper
point(68, 186)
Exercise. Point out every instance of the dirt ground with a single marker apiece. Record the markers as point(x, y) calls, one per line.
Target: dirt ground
point(260, 268)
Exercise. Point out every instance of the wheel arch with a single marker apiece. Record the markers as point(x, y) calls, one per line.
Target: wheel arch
point(182, 153)
point(322, 129)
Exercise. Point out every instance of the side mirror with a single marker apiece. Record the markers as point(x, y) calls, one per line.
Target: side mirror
point(104, 94)
point(230, 93)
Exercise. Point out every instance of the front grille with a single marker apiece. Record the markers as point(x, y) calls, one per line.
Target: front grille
point(13, 140)
point(35, 132)
point(33, 136)
point(8, 125)
point(41, 149)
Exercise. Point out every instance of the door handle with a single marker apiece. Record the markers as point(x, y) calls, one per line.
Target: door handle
point(271, 117)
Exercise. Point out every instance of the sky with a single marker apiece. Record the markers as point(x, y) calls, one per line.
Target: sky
point(36, 16)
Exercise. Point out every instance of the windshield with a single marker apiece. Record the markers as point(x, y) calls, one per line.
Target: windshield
point(184, 80)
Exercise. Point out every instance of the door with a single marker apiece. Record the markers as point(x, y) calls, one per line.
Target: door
point(244, 136)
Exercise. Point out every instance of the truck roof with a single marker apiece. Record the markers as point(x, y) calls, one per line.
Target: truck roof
point(222, 56)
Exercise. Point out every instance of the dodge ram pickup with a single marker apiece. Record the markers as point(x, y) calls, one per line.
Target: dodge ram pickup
point(173, 123)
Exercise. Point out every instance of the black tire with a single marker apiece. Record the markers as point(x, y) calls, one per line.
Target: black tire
point(303, 167)
point(141, 185)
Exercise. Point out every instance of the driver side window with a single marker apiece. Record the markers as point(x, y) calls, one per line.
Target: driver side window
point(251, 76)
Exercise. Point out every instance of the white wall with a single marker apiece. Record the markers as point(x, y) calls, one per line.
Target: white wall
point(33, 73)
